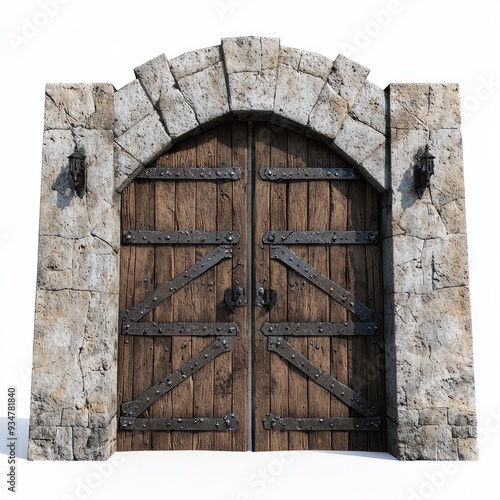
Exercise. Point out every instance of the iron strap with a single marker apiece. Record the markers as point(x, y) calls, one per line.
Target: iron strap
point(173, 329)
point(163, 292)
point(149, 396)
point(180, 237)
point(191, 174)
point(275, 423)
point(336, 292)
point(319, 329)
point(320, 237)
point(280, 346)
point(308, 174)
point(227, 423)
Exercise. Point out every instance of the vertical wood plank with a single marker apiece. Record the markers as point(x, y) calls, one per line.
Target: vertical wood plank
point(357, 286)
point(299, 292)
point(183, 300)
point(261, 356)
point(240, 276)
point(204, 295)
point(319, 347)
point(375, 344)
point(126, 344)
point(339, 192)
point(223, 379)
point(278, 281)
point(164, 271)
point(144, 285)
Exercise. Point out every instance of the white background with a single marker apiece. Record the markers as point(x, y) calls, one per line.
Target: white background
point(102, 41)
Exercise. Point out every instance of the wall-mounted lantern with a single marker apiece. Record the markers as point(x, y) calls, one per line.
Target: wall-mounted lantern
point(77, 171)
point(424, 170)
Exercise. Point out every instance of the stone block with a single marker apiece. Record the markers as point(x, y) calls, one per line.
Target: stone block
point(146, 140)
point(461, 417)
point(328, 113)
point(177, 114)
point(194, 62)
point(84, 105)
point(55, 263)
point(250, 54)
point(126, 168)
point(95, 266)
point(71, 417)
point(131, 105)
point(206, 92)
point(252, 93)
point(91, 444)
point(444, 261)
point(434, 416)
point(159, 83)
point(376, 169)
point(315, 65)
point(357, 141)
point(347, 78)
point(462, 432)
point(296, 94)
point(156, 77)
point(421, 220)
point(467, 449)
point(370, 107)
point(407, 264)
point(51, 443)
point(444, 106)
point(409, 105)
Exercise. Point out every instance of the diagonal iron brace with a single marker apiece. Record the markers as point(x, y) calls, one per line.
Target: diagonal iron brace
point(336, 292)
point(163, 292)
point(149, 396)
point(351, 398)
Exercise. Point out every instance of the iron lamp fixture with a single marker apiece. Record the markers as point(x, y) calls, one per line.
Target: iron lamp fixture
point(77, 171)
point(424, 170)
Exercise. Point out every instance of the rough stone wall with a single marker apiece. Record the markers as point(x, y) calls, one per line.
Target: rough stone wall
point(431, 405)
point(430, 387)
point(73, 414)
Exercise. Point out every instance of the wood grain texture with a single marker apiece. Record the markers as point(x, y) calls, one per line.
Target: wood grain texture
point(221, 386)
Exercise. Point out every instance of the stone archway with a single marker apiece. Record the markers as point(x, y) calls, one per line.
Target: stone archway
point(430, 404)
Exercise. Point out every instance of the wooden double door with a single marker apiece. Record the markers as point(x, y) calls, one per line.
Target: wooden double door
point(251, 298)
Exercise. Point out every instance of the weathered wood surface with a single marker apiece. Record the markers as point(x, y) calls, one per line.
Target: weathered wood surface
point(221, 387)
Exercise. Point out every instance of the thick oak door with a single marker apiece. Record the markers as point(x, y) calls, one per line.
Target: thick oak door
point(250, 291)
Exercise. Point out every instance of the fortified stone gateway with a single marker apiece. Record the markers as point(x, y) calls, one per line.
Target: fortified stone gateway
point(236, 108)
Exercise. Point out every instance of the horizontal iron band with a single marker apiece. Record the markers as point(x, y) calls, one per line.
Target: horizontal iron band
point(320, 329)
point(275, 423)
point(139, 237)
point(227, 423)
point(320, 237)
point(158, 329)
point(308, 174)
point(191, 174)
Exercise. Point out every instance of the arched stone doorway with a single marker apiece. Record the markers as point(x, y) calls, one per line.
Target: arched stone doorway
point(428, 358)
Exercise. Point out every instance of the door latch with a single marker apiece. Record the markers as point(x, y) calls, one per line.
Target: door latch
point(235, 297)
point(265, 297)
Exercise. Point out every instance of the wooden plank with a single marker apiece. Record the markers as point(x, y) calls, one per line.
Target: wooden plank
point(223, 381)
point(182, 301)
point(299, 292)
point(318, 347)
point(261, 357)
point(375, 345)
point(204, 299)
point(126, 345)
point(144, 285)
point(278, 281)
point(240, 276)
point(339, 192)
point(357, 284)
point(164, 271)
